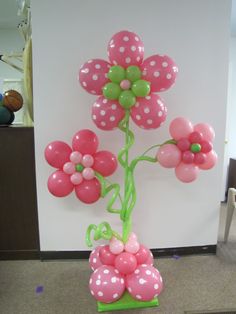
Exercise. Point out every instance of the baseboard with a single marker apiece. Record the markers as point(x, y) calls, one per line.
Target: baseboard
point(19, 255)
point(166, 252)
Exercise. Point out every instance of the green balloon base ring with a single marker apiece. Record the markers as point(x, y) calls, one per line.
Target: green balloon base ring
point(126, 302)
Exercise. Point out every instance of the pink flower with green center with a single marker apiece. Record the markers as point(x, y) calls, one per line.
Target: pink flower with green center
point(191, 150)
point(127, 82)
point(77, 166)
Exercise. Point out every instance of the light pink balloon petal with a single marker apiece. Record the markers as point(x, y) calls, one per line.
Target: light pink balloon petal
point(107, 114)
point(160, 71)
point(88, 173)
point(105, 163)
point(144, 283)
point(94, 259)
point(149, 112)
point(186, 172)
point(85, 141)
point(93, 75)
point(125, 48)
point(116, 246)
point(106, 284)
point(59, 184)
point(57, 154)
point(169, 156)
point(76, 178)
point(89, 191)
point(211, 159)
point(76, 157)
point(206, 130)
point(180, 128)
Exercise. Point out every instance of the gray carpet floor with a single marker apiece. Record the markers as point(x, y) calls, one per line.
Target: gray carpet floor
point(192, 283)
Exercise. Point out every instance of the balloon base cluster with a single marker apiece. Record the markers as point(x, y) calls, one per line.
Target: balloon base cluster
point(126, 302)
point(124, 274)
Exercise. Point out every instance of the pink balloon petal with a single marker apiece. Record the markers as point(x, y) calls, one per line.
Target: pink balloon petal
point(211, 159)
point(125, 48)
point(57, 154)
point(85, 141)
point(89, 191)
point(106, 284)
point(105, 163)
point(160, 71)
point(180, 128)
point(169, 156)
point(59, 184)
point(206, 130)
point(93, 75)
point(149, 112)
point(186, 172)
point(107, 114)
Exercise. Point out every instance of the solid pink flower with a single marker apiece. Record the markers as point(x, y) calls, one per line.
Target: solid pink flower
point(77, 166)
point(147, 109)
point(191, 151)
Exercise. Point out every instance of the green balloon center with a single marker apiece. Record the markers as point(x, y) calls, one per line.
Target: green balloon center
point(125, 85)
point(79, 167)
point(195, 148)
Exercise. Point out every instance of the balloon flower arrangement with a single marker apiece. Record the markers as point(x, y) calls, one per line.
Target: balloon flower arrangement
point(127, 86)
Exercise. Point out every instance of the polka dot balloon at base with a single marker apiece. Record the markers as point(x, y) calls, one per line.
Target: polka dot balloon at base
point(127, 88)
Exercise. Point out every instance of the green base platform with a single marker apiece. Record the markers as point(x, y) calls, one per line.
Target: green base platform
point(126, 302)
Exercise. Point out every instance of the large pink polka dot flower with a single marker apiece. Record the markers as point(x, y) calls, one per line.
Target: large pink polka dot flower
point(191, 149)
point(128, 82)
point(76, 167)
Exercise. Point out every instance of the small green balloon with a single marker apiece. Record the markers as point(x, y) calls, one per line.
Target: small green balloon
point(141, 88)
point(195, 148)
point(127, 99)
point(133, 73)
point(79, 167)
point(111, 91)
point(116, 74)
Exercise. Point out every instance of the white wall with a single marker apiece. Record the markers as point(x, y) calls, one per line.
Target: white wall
point(196, 35)
point(10, 41)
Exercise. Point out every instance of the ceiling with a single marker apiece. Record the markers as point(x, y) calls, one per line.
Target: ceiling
point(9, 18)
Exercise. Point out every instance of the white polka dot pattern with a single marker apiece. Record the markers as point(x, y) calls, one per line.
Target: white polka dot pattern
point(125, 48)
point(145, 284)
point(161, 71)
point(94, 259)
point(93, 75)
point(105, 285)
point(150, 113)
point(107, 114)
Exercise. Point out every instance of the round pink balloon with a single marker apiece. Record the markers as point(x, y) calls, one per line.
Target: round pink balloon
point(116, 246)
point(93, 75)
point(188, 157)
point(133, 236)
point(149, 112)
point(106, 284)
point(160, 71)
point(142, 255)
point(87, 161)
point(132, 246)
point(88, 173)
point(199, 158)
point(89, 191)
point(69, 167)
point(183, 144)
point(180, 127)
point(59, 184)
point(94, 259)
point(186, 172)
point(206, 130)
point(85, 141)
point(57, 154)
point(76, 157)
point(150, 260)
point(126, 263)
point(107, 114)
point(105, 163)
point(125, 48)
point(169, 156)
point(145, 283)
point(76, 178)
point(211, 159)
point(106, 256)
